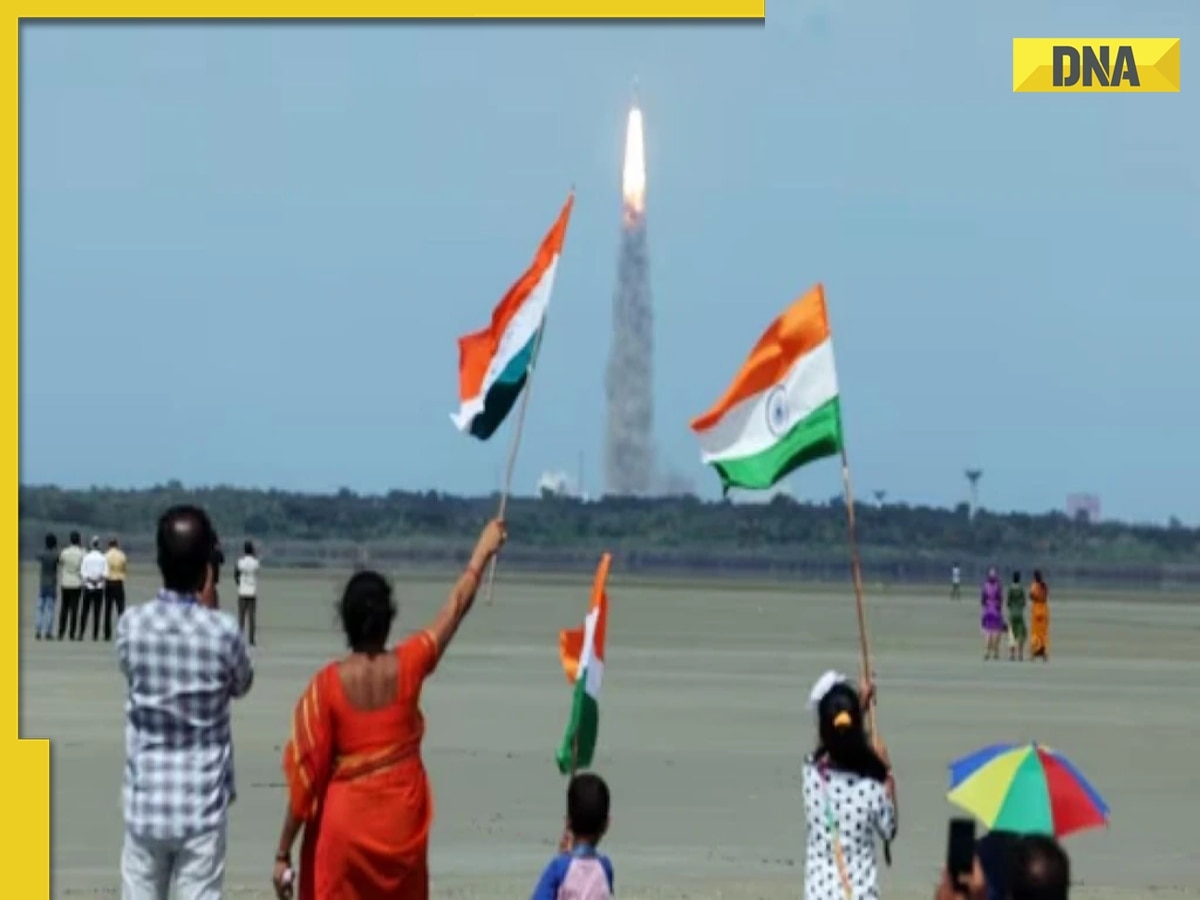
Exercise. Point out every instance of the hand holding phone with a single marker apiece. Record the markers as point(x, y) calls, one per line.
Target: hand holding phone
point(960, 855)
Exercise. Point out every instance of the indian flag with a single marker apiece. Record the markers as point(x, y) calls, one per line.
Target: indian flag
point(582, 653)
point(494, 364)
point(782, 409)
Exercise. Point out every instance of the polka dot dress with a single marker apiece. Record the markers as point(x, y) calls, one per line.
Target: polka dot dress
point(863, 813)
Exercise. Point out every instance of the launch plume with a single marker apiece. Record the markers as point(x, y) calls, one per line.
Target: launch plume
point(629, 465)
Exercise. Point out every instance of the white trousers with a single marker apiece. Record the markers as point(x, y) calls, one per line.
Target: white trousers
point(194, 866)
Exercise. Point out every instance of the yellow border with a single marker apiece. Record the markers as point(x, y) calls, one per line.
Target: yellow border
point(25, 864)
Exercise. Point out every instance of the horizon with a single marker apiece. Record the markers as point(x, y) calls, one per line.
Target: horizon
point(275, 234)
point(736, 498)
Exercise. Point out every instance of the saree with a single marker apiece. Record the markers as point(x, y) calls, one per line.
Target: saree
point(356, 780)
point(1039, 619)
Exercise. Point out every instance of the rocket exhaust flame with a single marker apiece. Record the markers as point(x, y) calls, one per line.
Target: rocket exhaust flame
point(633, 178)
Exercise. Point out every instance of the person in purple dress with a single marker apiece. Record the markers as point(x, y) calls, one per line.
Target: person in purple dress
point(991, 598)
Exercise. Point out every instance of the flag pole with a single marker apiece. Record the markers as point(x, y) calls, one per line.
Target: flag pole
point(864, 637)
point(515, 446)
point(856, 573)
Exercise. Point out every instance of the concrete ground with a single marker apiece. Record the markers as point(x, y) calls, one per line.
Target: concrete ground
point(703, 731)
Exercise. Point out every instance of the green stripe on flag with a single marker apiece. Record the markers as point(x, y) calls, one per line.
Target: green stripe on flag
point(817, 435)
point(579, 743)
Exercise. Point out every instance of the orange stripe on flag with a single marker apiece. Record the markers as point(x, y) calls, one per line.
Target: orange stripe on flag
point(476, 350)
point(570, 640)
point(803, 327)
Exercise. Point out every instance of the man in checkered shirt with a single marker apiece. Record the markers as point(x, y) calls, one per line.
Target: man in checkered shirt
point(184, 662)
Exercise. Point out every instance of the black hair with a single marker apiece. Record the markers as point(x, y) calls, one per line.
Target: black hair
point(1038, 869)
point(1037, 574)
point(75, 538)
point(367, 611)
point(51, 541)
point(587, 806)
point(248, 548)
point(1016, 577)
point(185, 541)
point(843, 735)
point(112, 542)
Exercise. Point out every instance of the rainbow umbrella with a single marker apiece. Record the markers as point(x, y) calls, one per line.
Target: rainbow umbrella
point(1026, 789)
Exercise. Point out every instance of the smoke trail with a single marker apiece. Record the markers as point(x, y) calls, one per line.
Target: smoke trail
point(629, 465)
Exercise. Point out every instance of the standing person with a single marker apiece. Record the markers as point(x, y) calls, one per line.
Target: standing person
point(1015, 607)
point(247, 588)
point(184, 663)
point(218, 560)
point(94, 570)
point(356, 782)
point(849, 796)
point(579, 870)
point(47, 588)
point(70, 581)
point(1039, 618)
point(991, 599)
point(955, 582)
point(114, 586)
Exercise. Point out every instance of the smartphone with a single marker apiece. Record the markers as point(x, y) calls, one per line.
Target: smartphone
point(960, 848)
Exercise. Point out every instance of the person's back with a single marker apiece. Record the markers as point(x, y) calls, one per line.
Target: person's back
point(117, 562)
point(580, 871)
point(71, 563)
point(183, 664)
point(247, 572)
point(48, 569)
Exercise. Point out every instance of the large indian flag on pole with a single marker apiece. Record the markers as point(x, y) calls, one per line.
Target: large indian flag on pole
point(494, 363)
point(582, 653)
point(782, 409)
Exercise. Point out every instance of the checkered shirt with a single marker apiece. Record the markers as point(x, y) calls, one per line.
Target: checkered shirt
point(184, 663)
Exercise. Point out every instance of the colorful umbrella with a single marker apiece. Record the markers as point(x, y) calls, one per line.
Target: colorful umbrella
point(1027, 789)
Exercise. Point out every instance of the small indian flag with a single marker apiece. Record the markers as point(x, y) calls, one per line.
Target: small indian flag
point(494, 363)
point(782, 409)
point(582, 653)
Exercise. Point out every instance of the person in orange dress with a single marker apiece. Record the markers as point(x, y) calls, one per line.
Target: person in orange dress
point(356, 783)
point(1039, 618)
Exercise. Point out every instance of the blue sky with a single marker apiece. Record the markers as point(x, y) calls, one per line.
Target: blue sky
point(254, 247)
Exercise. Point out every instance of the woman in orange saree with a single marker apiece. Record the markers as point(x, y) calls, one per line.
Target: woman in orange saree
point(356, 783)
point(1039, 618)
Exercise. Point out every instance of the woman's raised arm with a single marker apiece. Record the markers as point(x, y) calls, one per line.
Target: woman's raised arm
point(462, 595)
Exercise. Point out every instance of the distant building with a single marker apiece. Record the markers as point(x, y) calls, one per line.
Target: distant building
point(557, 484)
point(1084, 506)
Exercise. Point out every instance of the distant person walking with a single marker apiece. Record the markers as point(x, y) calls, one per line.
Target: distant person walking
point(70, 580)
point(955, 582)
point(114, 586)
point(47, 588)
point(356, 782)
point(184, 663)
point(991, 599)
point(94, 570)
point(1015, 607)
point(247, 588)
point(1039, 618)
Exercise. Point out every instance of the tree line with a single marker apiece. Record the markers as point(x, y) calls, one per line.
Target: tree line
point(897, 541)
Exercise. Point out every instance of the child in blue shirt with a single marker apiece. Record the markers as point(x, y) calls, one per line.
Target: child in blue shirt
point(579, 872)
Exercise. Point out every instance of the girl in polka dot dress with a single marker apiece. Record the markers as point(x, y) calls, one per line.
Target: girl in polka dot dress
point(849, 797)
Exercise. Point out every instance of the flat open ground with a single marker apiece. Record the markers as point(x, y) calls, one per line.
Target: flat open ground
point(704, 728)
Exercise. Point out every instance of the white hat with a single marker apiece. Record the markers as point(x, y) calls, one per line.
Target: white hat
point(823, 686)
